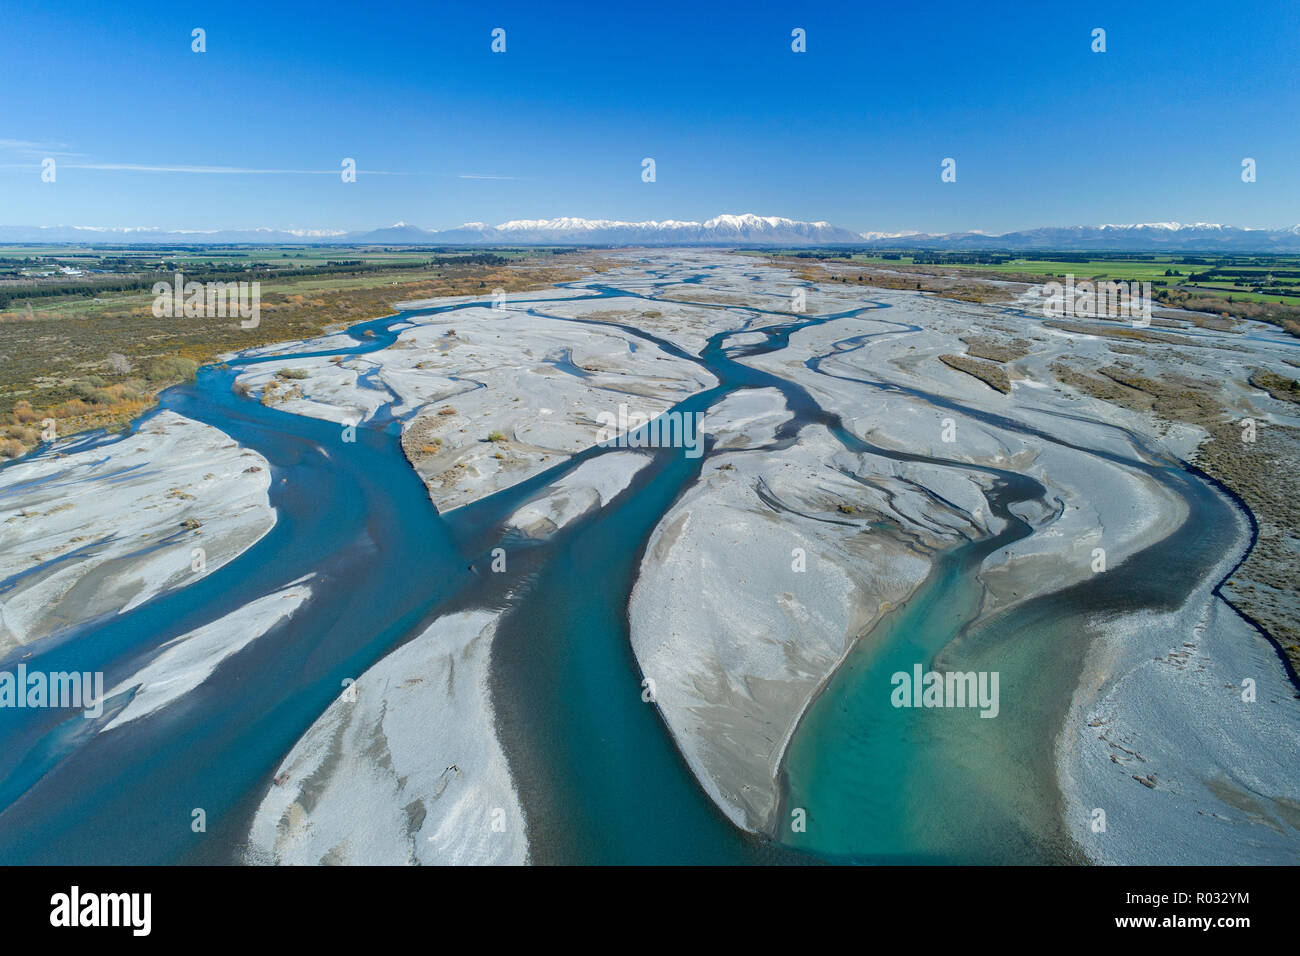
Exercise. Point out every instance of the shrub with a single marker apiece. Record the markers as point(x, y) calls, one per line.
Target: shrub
point(295, 373)
point(72, 408)
point(92, 393)
point(170, 368)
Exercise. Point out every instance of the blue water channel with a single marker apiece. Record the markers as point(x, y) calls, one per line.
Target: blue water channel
point(597, 771)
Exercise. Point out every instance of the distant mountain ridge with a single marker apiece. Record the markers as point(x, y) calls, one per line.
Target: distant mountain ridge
point(1138, 237)
point(720, 230)
point(724, 230)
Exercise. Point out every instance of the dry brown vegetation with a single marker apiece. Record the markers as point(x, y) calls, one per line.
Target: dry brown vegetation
point(1279, 386)
point(101, 364)
point(1284, 316)
point(1105, 390)
point(1117, 331)
point(995, 350)
point(994, 376)
point(963, 289)
point(1262, 473)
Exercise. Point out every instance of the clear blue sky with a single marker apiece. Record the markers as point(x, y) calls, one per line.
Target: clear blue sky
point(1045, 132)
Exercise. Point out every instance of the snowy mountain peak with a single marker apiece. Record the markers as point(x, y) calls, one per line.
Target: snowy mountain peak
point(726, 229)
point(722, 229)
point(1167, 226)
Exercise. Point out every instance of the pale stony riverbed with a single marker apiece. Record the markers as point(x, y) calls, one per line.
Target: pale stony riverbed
point(409, 750)
point(758, 580)
point(101, 529)
point(487, 397)
point(739, 641)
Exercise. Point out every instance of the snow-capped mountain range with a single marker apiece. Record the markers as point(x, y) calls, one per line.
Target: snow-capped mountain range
point(1136, 237)
point(725, 230)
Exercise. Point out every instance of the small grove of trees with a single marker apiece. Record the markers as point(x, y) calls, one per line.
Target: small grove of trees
point(170, 368)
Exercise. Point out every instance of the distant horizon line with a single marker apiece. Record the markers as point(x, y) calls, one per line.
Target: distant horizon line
point(595, 224)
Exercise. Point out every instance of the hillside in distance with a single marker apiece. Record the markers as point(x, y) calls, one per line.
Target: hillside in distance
point(724, 231)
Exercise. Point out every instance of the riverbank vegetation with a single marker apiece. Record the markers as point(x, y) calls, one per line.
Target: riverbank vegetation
point(81, 348)
point(1265, 288)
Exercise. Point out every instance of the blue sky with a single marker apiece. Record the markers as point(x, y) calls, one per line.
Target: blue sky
point(1044, 131)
